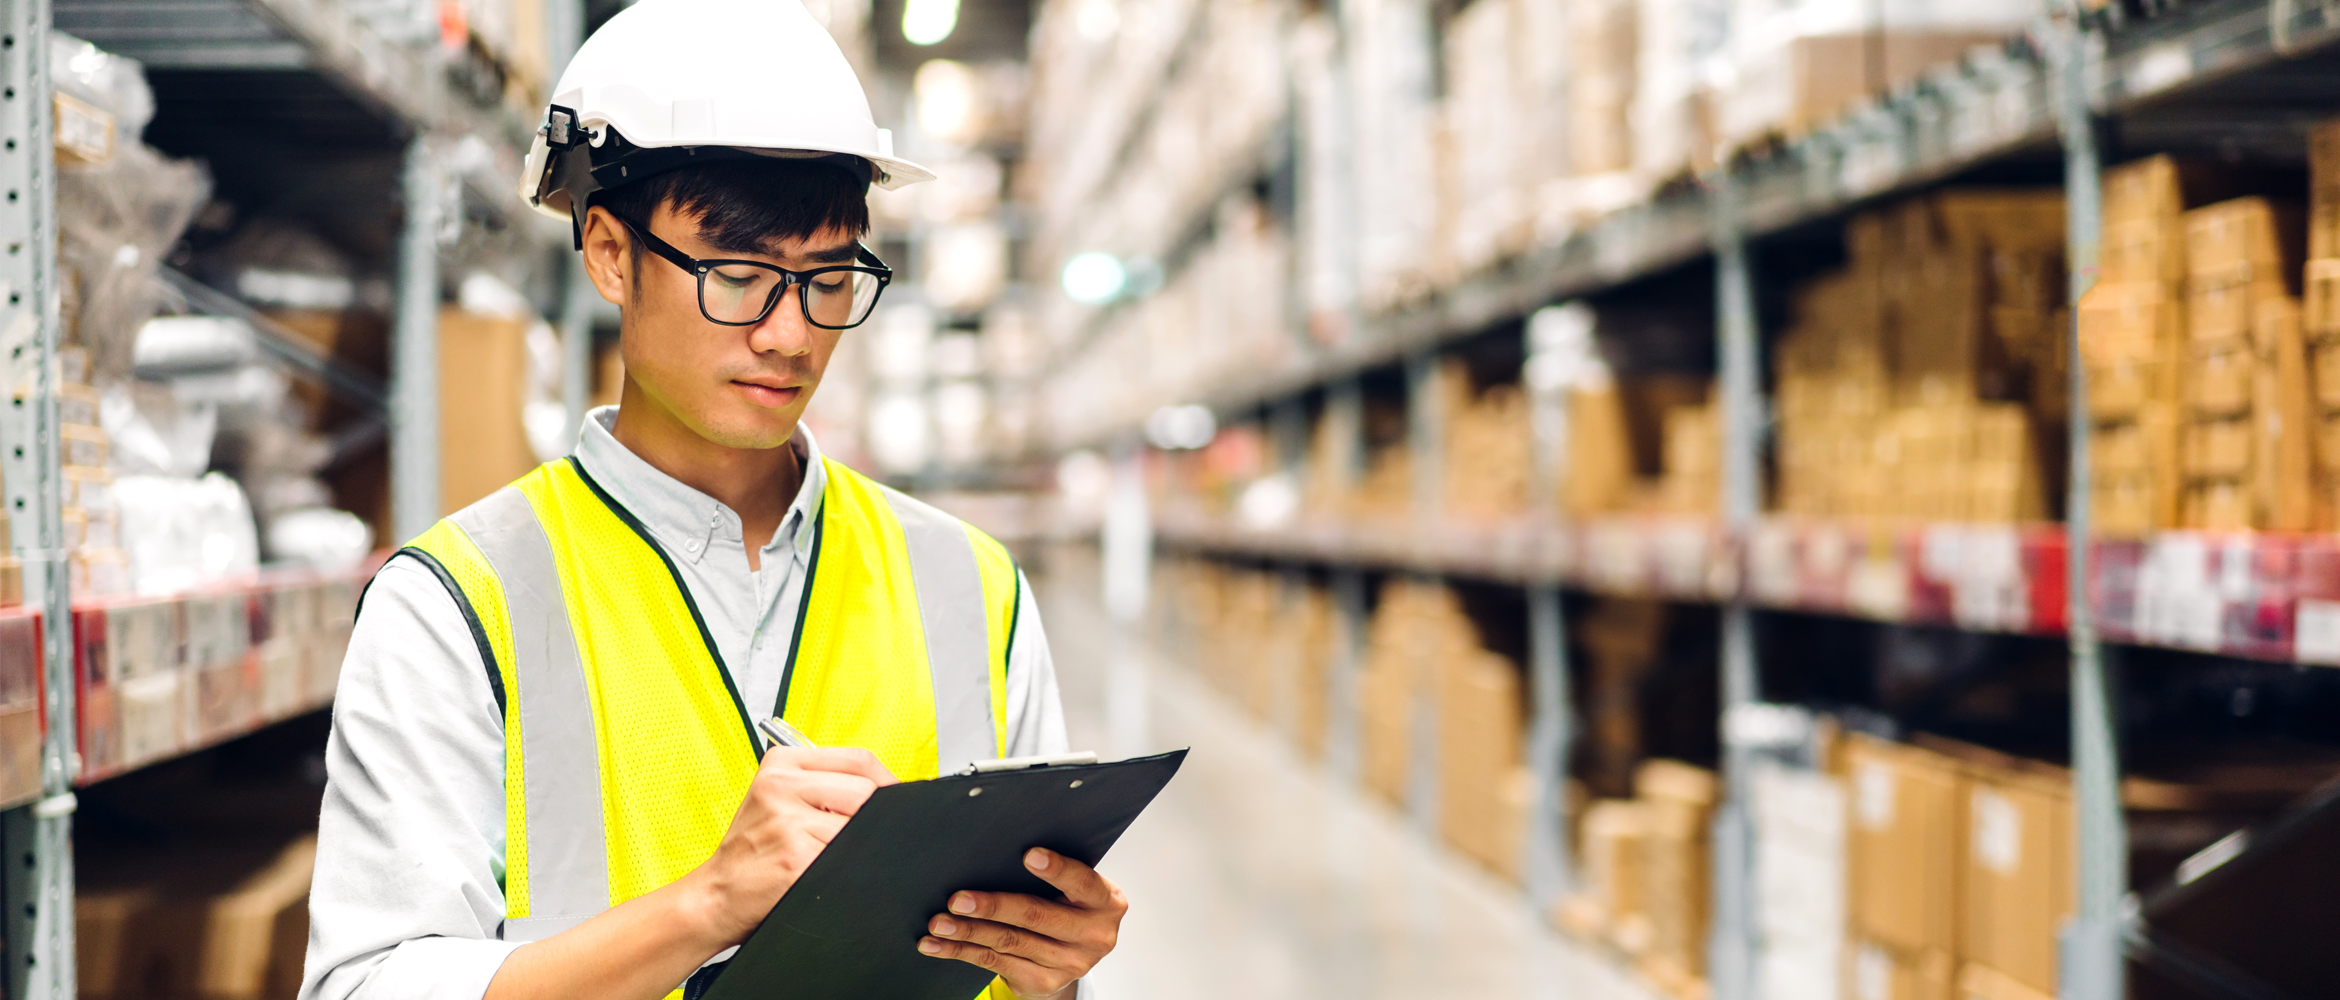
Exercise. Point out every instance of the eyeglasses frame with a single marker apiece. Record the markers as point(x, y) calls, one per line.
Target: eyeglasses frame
point(699, 267)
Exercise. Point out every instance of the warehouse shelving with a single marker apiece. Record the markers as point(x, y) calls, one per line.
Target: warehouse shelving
point(2167, 81)
point(2229, 77)
point(276, 93)
point(2261, 596)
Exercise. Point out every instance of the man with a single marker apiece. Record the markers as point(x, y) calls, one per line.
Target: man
point(544, 778)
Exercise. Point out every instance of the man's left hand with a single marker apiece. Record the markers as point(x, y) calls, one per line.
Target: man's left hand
point(1040, 947)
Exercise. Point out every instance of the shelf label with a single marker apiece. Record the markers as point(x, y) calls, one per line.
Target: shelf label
point(2316, 632)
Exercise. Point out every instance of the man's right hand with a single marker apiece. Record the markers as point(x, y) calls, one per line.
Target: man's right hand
point(796, 804)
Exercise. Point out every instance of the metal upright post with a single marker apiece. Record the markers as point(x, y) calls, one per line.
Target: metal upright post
point(1546, 855)
point(1426, 445)
point(1344, 411)
point(414, 374)
point(38, 873)
point(2090, 967)
point(1550, 729)
point(1734, 944)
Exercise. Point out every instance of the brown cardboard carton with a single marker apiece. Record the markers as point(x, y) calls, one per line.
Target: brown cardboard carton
point(1480, 752)
point(483, 367)
point(2018, 869)
point(1878, 971)
point(1679, 801)
point(1616, 842)
point(1902, 846)
point(2221, 381)
point(1981, 982)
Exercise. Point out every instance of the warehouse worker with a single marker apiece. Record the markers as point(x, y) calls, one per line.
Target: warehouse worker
point(544, 780)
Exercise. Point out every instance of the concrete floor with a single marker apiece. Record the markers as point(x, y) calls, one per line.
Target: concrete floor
point(1257, 875)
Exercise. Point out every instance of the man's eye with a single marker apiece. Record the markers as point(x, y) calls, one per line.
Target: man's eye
point(828, 286)
point(731, 280)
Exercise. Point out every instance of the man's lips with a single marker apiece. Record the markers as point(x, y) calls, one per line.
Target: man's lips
point(764, 394)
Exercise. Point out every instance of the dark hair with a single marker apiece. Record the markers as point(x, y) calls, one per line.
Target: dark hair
point(749, 206)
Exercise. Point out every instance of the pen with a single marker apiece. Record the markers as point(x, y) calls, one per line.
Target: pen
point(779, 733)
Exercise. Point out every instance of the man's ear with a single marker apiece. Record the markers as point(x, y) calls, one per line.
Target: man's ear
point(609, 254)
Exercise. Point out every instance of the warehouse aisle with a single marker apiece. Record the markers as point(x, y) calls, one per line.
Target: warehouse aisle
point(1258, 876)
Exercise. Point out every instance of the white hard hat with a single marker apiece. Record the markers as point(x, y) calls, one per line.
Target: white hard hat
point(669, 83)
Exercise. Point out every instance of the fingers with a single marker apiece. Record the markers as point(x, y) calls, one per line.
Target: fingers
point(1024, 976)
point(1015, 909)
point(842, 760)
point(842, 794)
point(1037, 948)
point(1081, 884)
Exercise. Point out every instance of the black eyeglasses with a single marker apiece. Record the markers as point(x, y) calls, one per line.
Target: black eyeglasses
point(743, 292)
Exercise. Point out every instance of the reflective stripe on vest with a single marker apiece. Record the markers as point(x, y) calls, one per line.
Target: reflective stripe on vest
point(627, 748)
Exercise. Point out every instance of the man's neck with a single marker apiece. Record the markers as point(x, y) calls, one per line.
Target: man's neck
point(758, 484)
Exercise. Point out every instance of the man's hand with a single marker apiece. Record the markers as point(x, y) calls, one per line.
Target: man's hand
point(794, 807)
point(1041, 947)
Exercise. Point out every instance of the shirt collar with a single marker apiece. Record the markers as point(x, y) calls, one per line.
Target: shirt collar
point(685, 521)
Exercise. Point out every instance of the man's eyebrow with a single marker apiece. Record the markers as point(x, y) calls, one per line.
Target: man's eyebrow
point(842, 253)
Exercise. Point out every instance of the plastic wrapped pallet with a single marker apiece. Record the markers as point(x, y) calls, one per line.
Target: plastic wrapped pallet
point(1793, 65)
point(1799, 820)
point(1392, 84)
point(1672, 112)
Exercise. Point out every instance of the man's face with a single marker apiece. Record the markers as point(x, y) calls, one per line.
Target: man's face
point(736, 386)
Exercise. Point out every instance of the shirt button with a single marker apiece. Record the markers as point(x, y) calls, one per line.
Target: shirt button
point(692, 545)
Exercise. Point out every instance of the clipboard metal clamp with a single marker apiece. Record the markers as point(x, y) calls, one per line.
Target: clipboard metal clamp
point(1027, 763)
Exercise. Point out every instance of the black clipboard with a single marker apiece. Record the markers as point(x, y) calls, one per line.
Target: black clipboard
point(849, 928)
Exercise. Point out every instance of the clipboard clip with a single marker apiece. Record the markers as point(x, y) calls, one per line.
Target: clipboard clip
point(1026, 763)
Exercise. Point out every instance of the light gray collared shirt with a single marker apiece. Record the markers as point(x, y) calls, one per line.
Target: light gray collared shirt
point(409, 896)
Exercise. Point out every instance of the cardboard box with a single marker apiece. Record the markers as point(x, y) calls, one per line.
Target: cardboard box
point(1903, 847)
point(483, 371)
point(1877, 971)
point(2018, 870)
point(1481, 758)
point(183, 933)
point(1679, 801)
point(1614, 844)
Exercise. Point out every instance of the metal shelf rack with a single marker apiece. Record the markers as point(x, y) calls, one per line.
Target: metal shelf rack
point(2223, 76)
point(287, 88)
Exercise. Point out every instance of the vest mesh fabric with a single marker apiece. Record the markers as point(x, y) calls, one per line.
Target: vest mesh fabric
point(672, 739)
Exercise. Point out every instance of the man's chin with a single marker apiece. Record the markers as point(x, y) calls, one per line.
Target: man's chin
point(749, 435)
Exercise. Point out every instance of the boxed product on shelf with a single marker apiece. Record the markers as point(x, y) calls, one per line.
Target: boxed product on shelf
point(483, 372)
point(218, 632)
point(2016, 872)
point(1911, 383)
point(20, 705)
point(1602, 56)
point(2245, 450)
point(223, 924)
point(1488, 448)
point(1484, 788)
point(1612, 855)
point(1902, 868)
point(1799, 825)
point(1679, 800)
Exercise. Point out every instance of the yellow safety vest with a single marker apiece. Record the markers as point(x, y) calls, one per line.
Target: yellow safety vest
point(627, 749)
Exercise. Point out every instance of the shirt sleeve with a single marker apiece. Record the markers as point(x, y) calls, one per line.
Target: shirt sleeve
point(408, 893)
point(1035, 712)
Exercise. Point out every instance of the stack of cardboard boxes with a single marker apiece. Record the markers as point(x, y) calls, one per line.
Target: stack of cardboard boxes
point(1959, 872)
point(1264, 639)
point(2244, 443)
point(2205, 411)
point(229, 929)
point(1913, 383)
point(2320, 321)
point(1645, 866)
point(1489, 447)
point(1429, 688)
